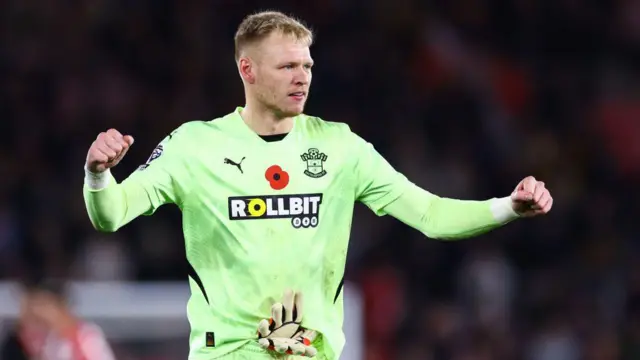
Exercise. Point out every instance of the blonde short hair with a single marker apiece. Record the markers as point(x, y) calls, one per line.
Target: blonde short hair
point(258, 26)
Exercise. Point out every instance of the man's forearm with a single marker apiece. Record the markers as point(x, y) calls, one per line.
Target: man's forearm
point(111, 205)
point(445, 218)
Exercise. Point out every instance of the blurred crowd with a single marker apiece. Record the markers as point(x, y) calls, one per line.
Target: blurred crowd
point(464, 97)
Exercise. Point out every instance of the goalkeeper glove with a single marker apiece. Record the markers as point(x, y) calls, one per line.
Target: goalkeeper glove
point(283, 332)
point(300, 344)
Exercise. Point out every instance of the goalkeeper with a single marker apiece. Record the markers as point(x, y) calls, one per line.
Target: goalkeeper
point(267, 195)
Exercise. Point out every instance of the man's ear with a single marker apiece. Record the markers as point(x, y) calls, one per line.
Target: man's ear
point(247, 70)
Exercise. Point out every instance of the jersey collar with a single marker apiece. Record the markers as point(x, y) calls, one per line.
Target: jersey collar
point(248, 133)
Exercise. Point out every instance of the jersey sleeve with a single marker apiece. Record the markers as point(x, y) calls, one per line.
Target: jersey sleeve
point(377, 182)
point(159, 181)
point(387, 192)
point(445, 218)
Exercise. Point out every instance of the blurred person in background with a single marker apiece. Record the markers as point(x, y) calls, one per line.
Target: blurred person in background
point(65, 336)
point(24, 340)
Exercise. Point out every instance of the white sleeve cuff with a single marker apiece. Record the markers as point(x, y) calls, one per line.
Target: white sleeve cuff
point(502, 210)
point(97, 181)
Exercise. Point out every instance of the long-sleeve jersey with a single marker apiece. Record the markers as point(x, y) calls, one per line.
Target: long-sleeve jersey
point(260, 217)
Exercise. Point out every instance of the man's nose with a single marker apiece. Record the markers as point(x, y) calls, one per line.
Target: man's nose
point(302, 77)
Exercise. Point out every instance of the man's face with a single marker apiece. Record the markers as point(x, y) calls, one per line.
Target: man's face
point(282, 70)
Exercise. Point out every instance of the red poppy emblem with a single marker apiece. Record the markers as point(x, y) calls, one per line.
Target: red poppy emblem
point(277, 178)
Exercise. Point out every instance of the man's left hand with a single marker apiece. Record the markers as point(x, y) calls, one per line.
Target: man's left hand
point(531, 198)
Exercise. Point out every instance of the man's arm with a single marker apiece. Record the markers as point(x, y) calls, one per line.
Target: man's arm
point(386, 191)
point(115, 205)
point(111, 205)
point(445, 218)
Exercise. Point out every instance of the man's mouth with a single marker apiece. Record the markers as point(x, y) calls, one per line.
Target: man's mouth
point(297, 95)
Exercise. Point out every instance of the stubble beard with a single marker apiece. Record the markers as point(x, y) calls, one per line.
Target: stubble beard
point(281, 111)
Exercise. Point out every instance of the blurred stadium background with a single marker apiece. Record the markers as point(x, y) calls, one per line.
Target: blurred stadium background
point(465, 97)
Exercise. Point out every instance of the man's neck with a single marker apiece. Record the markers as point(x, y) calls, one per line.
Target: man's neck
point(264, 121)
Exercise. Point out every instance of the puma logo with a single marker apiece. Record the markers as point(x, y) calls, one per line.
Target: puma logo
point(238, 165)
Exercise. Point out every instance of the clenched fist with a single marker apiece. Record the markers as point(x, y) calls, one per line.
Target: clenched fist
point(531, 198)
point(107, 150)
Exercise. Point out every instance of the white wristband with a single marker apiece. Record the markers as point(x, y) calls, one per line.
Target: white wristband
point(97, 181)
point(502, 210)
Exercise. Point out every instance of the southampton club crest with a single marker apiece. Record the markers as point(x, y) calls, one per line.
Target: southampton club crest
point(315, 160)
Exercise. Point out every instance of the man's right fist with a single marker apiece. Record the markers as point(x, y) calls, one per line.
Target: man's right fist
point(107, 150)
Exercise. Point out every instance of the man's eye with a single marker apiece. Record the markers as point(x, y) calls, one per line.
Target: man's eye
point(288, 67)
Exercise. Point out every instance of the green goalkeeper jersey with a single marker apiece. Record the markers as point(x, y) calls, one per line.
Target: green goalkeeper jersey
point(260, 217)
